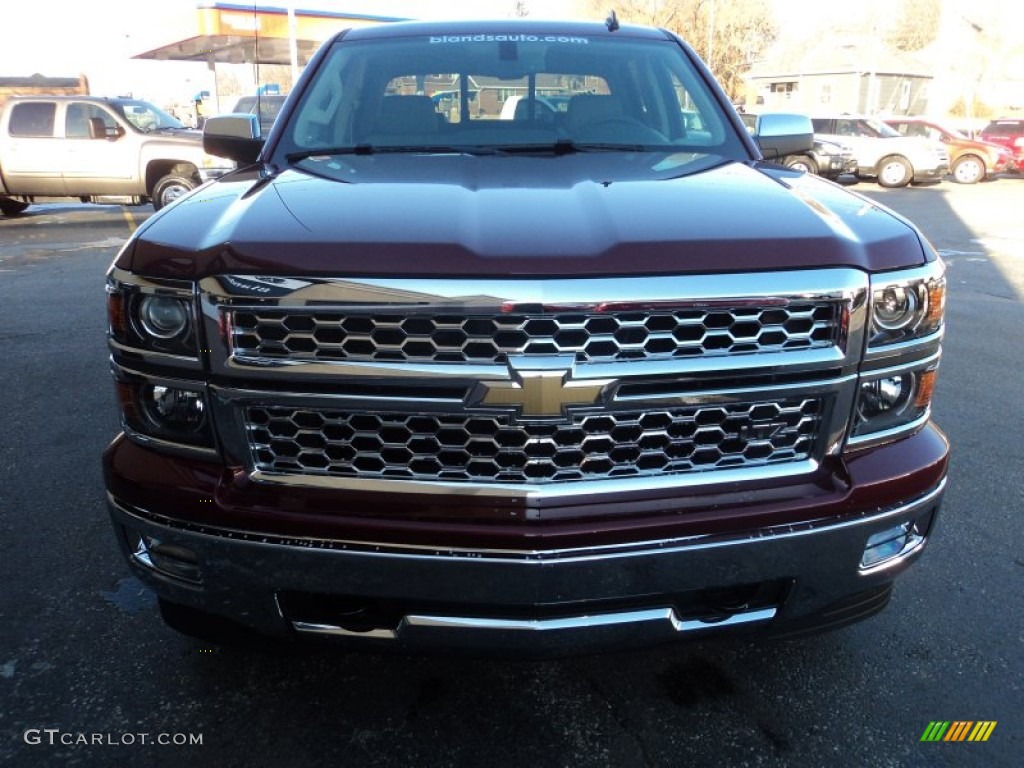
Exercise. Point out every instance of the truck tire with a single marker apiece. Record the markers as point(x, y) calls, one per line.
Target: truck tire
point(803, 163)
point(894, 171)
point(11, 207)
point(171, 187)
point(969, 169)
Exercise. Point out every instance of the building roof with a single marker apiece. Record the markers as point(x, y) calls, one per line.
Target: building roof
point(836, 56)
point(233, 33)
point(40, 81)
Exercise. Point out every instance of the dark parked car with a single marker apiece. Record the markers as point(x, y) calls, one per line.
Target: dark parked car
point(970, 160)
point(413, 378)
point(830, 159)
point(1008, 132)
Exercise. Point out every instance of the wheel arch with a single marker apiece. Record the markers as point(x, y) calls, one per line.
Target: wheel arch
point(157, 169)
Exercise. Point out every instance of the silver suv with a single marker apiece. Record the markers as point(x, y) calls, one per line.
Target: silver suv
point(883, 153)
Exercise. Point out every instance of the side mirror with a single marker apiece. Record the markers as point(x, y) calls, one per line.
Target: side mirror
point(97, 128)
point(235, 136)
point(779, 134)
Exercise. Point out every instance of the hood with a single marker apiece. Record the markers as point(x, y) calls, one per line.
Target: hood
point(579, 215)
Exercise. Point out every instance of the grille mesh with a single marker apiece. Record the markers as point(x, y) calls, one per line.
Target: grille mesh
point(499, 448)
point(596, 336)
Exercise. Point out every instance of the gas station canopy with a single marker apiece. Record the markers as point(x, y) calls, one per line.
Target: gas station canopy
point(236, 33)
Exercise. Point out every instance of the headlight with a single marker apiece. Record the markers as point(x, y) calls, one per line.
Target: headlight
point(154, 334)
point(895, 307)
point(163, 316)
point(902, 310)
point(155, 317)
point(897, 378)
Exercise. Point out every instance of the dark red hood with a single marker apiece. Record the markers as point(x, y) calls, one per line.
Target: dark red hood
point(462, 216)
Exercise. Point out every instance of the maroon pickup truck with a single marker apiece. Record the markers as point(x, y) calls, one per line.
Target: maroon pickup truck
point(590, 373)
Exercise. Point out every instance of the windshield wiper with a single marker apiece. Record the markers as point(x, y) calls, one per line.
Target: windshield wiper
point(371, 149)
point(569, 146)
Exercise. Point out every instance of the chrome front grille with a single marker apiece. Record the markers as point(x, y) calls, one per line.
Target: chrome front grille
point(498, 448)
point(601, 334)
point(533, 385)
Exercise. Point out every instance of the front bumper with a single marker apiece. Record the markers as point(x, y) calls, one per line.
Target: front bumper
point(548, 599)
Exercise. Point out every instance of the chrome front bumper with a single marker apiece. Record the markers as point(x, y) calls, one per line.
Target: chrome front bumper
point(537, 602)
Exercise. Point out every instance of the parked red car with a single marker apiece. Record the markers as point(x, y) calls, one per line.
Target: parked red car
point(1009, 132)
point(970, 161)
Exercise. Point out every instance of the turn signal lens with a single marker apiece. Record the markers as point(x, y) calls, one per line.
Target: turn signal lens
point(936, 304)
point(925, 387)
point(117, 314)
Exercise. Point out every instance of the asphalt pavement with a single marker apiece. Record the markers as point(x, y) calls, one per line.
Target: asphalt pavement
point(89, 676)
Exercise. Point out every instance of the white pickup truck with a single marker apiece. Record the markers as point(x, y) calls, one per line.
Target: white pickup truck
point(102, 150)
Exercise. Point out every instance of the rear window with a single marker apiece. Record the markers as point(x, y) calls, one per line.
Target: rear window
point(34, 118)
point(1005, 127)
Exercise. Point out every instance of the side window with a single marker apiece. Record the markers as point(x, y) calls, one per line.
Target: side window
point(864, 129)
point(822, 125)
point(77, 116)
point(76, 122)
point(33, 119)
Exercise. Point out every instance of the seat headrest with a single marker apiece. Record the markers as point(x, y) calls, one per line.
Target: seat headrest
point(407, 114)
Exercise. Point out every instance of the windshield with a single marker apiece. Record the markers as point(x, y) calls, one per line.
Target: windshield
point(508, 93)
point(144, 116)
point(882, 129)
point(954, 132)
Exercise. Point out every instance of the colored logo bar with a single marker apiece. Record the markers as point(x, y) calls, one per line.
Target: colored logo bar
point(958, 730)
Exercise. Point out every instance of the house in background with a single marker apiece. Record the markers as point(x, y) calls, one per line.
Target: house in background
point(855, 77)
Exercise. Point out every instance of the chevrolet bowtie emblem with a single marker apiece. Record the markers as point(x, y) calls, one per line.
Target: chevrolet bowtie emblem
point(545, 392)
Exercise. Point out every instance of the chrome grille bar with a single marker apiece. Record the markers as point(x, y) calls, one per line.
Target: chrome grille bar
point(311, 333)
point(464, 447)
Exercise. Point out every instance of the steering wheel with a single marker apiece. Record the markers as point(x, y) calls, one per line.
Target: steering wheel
point(621, 128)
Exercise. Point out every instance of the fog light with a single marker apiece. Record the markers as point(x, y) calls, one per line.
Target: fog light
point(168, 559)
point(891, 543)
point(176, 407)
point(163, 316)
point(885, 396)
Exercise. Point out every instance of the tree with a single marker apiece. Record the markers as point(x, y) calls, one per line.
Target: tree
point(727, 34)
point(915, 24)
point(519, 10)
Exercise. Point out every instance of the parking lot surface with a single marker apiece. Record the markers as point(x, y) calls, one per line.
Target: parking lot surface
point(90, 676)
